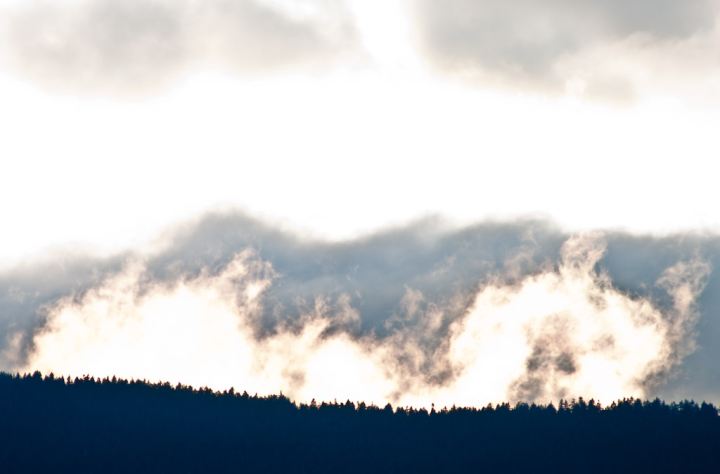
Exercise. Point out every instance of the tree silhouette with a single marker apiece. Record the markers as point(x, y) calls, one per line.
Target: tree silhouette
point(53, 424)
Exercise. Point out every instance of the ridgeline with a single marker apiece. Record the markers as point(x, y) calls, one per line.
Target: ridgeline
point(50, 424)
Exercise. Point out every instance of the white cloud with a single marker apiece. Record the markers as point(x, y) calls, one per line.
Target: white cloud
point(557, 333)
point(608, 50)
point(130, 46)
point(568, 333)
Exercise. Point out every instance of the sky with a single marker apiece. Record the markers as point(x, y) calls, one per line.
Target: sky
point(400, 200)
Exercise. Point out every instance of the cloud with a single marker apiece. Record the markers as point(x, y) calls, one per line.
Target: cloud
point(569, 331)
point(416, 314)
point(604, 49)
point(134, 45)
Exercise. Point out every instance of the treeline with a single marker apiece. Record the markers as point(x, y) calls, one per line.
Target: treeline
point(50, 424)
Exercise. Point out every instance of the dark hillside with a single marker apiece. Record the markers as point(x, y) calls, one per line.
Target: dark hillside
point(86, 425)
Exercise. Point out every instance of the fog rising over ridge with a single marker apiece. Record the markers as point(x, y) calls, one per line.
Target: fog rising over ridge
point(288, 154)
point(417, 314)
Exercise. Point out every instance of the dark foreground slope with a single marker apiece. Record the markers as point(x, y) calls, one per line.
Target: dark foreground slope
point(86, 425)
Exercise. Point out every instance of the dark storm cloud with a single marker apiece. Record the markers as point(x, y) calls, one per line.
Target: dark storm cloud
point(522, 43)
point(132, 45)
point(406, 284)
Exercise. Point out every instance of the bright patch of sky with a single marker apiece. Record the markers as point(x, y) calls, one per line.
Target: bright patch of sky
point(363, 145)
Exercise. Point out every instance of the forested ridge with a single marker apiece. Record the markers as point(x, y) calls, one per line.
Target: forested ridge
point(50, 424)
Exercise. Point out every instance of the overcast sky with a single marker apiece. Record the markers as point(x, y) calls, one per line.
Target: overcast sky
point(123, 122)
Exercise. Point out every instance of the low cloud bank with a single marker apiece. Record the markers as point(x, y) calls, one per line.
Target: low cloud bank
point(414, 315)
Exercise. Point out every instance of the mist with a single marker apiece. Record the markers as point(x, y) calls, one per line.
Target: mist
point(416, 314)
